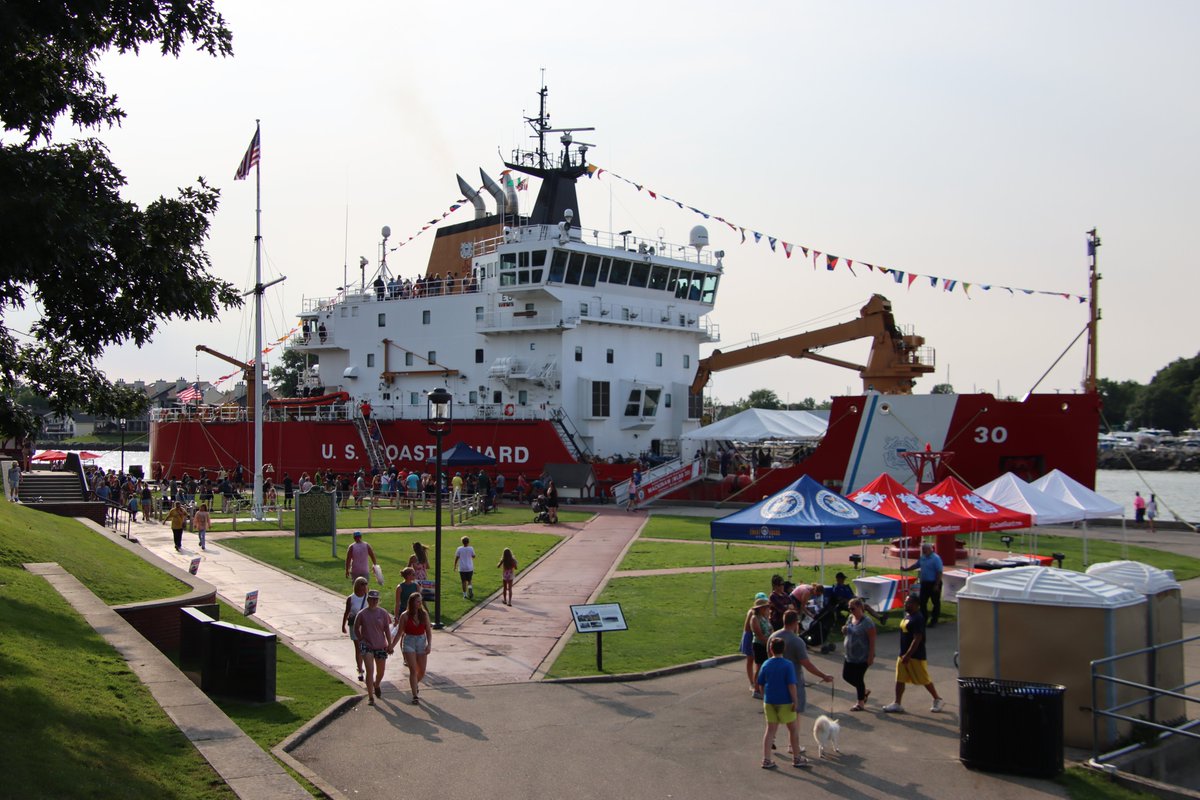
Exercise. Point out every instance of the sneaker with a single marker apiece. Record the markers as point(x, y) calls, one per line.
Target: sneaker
point(893, 708)
point(769, 765)
point(470, 592)
point(938, 706)
point(464, 595)
point(757, 695)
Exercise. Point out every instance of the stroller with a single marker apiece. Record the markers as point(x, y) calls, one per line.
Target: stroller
point(817, 630)
point(541, 513)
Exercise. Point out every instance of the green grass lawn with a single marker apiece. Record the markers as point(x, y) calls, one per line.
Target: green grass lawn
point(76, 721)
point(392, 550)
point(355, 518)
point(1185, 567)
point(669, 555)
point(654, 606)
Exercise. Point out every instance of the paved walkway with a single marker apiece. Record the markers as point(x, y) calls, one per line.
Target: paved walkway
point(493, 644)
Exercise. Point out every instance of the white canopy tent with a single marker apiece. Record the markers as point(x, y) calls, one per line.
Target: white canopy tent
point(1011, 492)
point(1061, 486)
point(756, 425)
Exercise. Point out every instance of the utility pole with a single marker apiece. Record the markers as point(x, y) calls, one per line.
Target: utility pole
point(1092, 374)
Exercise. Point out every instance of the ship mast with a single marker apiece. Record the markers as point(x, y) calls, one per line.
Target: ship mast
point(1090, 378)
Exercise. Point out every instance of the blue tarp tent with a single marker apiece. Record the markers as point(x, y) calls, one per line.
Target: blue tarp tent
point(804, 512)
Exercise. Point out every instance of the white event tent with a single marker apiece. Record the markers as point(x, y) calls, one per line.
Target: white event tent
point(1059, 485)
point(1011, 492)
point(755, 425)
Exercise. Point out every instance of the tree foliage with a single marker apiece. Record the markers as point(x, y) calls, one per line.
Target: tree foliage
point(100, 270)
point(942, 388)
point(1172, 398)
point(286, 375)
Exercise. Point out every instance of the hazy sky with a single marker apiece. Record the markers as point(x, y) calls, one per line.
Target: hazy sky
point(941, 138)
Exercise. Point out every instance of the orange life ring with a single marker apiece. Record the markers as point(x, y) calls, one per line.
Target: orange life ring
point(508, 410)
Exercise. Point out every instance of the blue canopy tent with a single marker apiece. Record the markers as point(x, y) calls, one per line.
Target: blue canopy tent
point(804, 512)
point(463, 455)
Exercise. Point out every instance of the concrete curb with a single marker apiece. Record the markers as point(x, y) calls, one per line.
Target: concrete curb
point(630, 677)
point(283, 750)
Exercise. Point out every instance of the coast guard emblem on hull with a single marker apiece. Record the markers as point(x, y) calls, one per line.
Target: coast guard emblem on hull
point(788, 504)
point(872, 500)
point(893, 446)
point(835, 505)
point(983, 505)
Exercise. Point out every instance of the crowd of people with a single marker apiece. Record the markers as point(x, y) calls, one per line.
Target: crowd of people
point(375, 633)
point(778, 629)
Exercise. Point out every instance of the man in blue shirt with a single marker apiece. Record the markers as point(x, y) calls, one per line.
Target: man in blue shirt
point(930, 577)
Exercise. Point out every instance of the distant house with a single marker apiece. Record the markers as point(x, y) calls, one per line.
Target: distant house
point(57, 427)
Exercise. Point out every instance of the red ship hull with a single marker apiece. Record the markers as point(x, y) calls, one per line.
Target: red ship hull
point(987, 437)
point(294, 447)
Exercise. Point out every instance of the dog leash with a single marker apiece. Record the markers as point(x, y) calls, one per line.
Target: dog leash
point(831, 697)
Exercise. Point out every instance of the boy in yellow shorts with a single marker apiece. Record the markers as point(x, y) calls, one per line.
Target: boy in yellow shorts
point(777, 683)
point(911, 665)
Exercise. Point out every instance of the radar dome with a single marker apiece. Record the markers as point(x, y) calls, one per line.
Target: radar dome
point(699, 238)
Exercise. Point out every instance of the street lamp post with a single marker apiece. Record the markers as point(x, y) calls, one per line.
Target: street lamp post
point(122, 445)
point(439, 413)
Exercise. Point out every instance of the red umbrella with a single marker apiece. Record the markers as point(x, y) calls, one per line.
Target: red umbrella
point(51, 455)
point(87, 455)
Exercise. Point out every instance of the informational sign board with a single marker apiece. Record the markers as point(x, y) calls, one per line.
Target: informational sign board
point(316, 513)
point(599, 618)
point(195, 565)
point(251, 603)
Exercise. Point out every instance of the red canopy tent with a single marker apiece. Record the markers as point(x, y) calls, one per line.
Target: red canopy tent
point(88, 455)
point(51, 455)
point(890, 497)
point(955, 496)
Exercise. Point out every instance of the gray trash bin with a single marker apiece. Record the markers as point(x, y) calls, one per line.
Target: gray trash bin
point(1014, 727)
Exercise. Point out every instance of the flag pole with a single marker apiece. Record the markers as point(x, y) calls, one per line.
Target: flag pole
point(257, 509)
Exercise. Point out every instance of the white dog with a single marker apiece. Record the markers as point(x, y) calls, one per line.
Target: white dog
point(825, 732)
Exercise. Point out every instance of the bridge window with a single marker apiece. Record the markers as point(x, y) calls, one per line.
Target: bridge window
point(710, 288)
point(539, 258)
point(575, 268)
point(658, 277)
point(523, 259)
point(619, 273)
point(633, 406)
point(591, 269)
point(639, 274)
point(558, 267)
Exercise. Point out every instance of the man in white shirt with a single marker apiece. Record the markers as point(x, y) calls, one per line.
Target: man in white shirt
point(464, 562)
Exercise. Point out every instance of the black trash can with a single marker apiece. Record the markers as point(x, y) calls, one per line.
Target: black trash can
point(1014, 727)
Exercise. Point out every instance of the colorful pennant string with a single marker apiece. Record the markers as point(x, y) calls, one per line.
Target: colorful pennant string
point(832, 262)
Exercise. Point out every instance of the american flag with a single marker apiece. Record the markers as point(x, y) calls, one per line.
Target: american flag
point(250, 159)
point(189, 395)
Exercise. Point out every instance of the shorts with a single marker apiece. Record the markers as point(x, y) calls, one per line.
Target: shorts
point(760, 653)
point(914, 672)
point(747, 639)
point(508, 575)
point(467, 576)
point(367, 650)
point(782, 714)
point(415, 644)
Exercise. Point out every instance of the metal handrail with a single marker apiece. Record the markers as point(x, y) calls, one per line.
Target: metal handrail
point(1152, 694)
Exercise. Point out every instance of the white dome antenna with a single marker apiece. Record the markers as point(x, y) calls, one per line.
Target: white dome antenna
point(568, 215)
point(698, 238)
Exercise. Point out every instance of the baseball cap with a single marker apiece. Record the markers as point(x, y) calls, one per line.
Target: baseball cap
point(374, 593)
point(358, 534)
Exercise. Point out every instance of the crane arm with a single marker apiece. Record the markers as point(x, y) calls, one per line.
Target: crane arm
point(893, 364)
point(200, 348)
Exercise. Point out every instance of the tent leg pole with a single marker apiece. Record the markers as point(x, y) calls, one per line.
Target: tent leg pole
point(1124, 540)
point(791, 557)
point(1085, 554)
point(822, 562)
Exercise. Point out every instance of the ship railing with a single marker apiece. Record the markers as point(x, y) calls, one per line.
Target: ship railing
point(666, 318)
point(531, 234)
point(339, 412)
